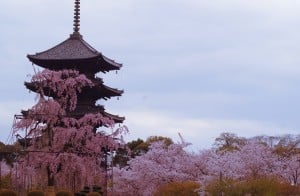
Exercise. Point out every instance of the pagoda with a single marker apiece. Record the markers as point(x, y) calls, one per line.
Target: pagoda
point(76, 54)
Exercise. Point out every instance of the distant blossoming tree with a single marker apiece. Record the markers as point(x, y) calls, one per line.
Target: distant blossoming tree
point(253, 159)
point(161, 165)
point(288, 150)
point(289, 169)
point(62, 148)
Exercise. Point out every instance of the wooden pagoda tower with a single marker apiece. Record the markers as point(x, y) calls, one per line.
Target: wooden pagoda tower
point(76, 54)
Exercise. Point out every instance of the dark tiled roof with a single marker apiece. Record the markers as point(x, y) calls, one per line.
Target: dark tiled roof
point(72, 48)
point(74, 52)
point(110, 92)
point(115, 118)
point(84, 109)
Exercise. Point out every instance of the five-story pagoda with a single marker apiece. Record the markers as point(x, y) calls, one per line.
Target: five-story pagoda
point(76, 54)
point(66, 140)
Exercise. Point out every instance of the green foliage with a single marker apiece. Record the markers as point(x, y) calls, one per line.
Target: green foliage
point(121, 157)
point(63, 193)
point(167, 141)
point(36, 193)
point(178, 189)
point(8, 193)
point(229, 142)
point(139, 146)
point(8, 152)
point(136, 148)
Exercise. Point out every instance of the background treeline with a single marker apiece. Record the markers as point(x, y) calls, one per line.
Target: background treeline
point(262, 165)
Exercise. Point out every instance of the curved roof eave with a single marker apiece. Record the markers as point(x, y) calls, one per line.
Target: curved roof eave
point(81, 54)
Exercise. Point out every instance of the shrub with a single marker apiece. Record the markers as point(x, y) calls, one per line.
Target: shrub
point(97, 189)
point(36, 193)
point(8, 193)
point(6, 182)
point(94, 194)
point(178, 188)
point(63, 193)
point(253, 186)
point(226, 187)
point(288, 189)
point(262, 186)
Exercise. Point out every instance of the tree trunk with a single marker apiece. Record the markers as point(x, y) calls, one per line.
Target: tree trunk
point(50, 177)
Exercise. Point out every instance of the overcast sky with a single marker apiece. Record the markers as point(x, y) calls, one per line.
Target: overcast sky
point(198, 67)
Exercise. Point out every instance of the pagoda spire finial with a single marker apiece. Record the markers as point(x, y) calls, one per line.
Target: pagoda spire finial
point(77, 16)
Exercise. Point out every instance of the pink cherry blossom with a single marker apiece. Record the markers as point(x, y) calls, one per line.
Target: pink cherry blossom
point(63, 150)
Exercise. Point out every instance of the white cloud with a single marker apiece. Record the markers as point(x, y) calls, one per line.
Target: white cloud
point(200, 67)
point(200, 132)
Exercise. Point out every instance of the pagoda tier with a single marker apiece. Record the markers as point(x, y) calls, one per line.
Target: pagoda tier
point(95, 92)
point(81, 110)
point(86, 99)
point(74, 53)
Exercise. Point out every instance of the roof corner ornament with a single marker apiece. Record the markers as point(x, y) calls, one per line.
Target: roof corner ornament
point(77, 16)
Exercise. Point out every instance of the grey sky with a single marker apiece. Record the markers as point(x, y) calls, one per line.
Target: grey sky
point(199, 67)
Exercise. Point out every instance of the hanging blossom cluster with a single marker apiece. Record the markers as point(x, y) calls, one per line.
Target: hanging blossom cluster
point(72, 148)
point(65, 85)
point(64, 148)
point(43, 113)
